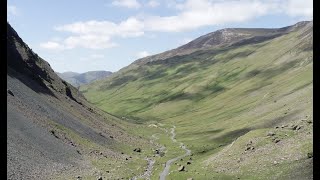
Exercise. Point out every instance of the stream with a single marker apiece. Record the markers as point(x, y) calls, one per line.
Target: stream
point(165, 172)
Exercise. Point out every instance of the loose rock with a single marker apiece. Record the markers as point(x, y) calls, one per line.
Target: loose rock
point(271, 133)
point(10, 92)
point(181, 168)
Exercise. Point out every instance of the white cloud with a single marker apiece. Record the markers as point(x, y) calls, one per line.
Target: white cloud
point(128, 28)
point(97, 34)
point(153, 3)
point(51, 45)
point(299, 8)
point(88, 41)
point(127, 3)
point(198, 13)
point(12, 10)
point(142, 54)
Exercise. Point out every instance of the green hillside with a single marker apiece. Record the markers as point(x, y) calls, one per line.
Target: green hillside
point(244, 110)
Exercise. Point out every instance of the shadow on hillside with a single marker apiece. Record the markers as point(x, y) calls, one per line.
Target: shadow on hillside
point(33, 83)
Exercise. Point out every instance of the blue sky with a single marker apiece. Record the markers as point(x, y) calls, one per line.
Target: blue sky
point(80, 36)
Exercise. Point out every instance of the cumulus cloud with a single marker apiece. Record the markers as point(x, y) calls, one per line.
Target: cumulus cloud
point(127, 3)
point(96, 34)
point(299, 8)
point(142, 54)
point(194, 14)
point(51, 45)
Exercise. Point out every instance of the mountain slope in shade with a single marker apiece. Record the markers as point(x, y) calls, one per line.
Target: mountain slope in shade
point(53, 133)
point(240, 99)
point(78, 79)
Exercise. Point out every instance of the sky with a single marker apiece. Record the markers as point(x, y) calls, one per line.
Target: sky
point(83, 35)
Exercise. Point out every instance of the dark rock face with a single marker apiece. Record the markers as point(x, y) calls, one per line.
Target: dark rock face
point(21, 59)
point(39, 102)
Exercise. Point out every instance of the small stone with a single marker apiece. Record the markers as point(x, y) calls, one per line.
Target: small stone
point(99, 178)
point(10, 92)
point(181, 168)
point(188, 162)
point(275, 162)
point(190, 179)
point(271, 133)
point(276, 140)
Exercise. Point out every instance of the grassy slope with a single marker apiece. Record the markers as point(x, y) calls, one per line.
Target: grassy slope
point(217, 97)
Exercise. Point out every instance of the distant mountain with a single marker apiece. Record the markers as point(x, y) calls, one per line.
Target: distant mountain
point(78, 79)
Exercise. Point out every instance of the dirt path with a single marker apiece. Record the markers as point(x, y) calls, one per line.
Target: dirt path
point(165, 172)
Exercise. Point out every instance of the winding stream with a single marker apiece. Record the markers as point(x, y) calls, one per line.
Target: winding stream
point(165, 172)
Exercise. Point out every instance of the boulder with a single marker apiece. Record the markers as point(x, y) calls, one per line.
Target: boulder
point(270, 133)
point(181, 168)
